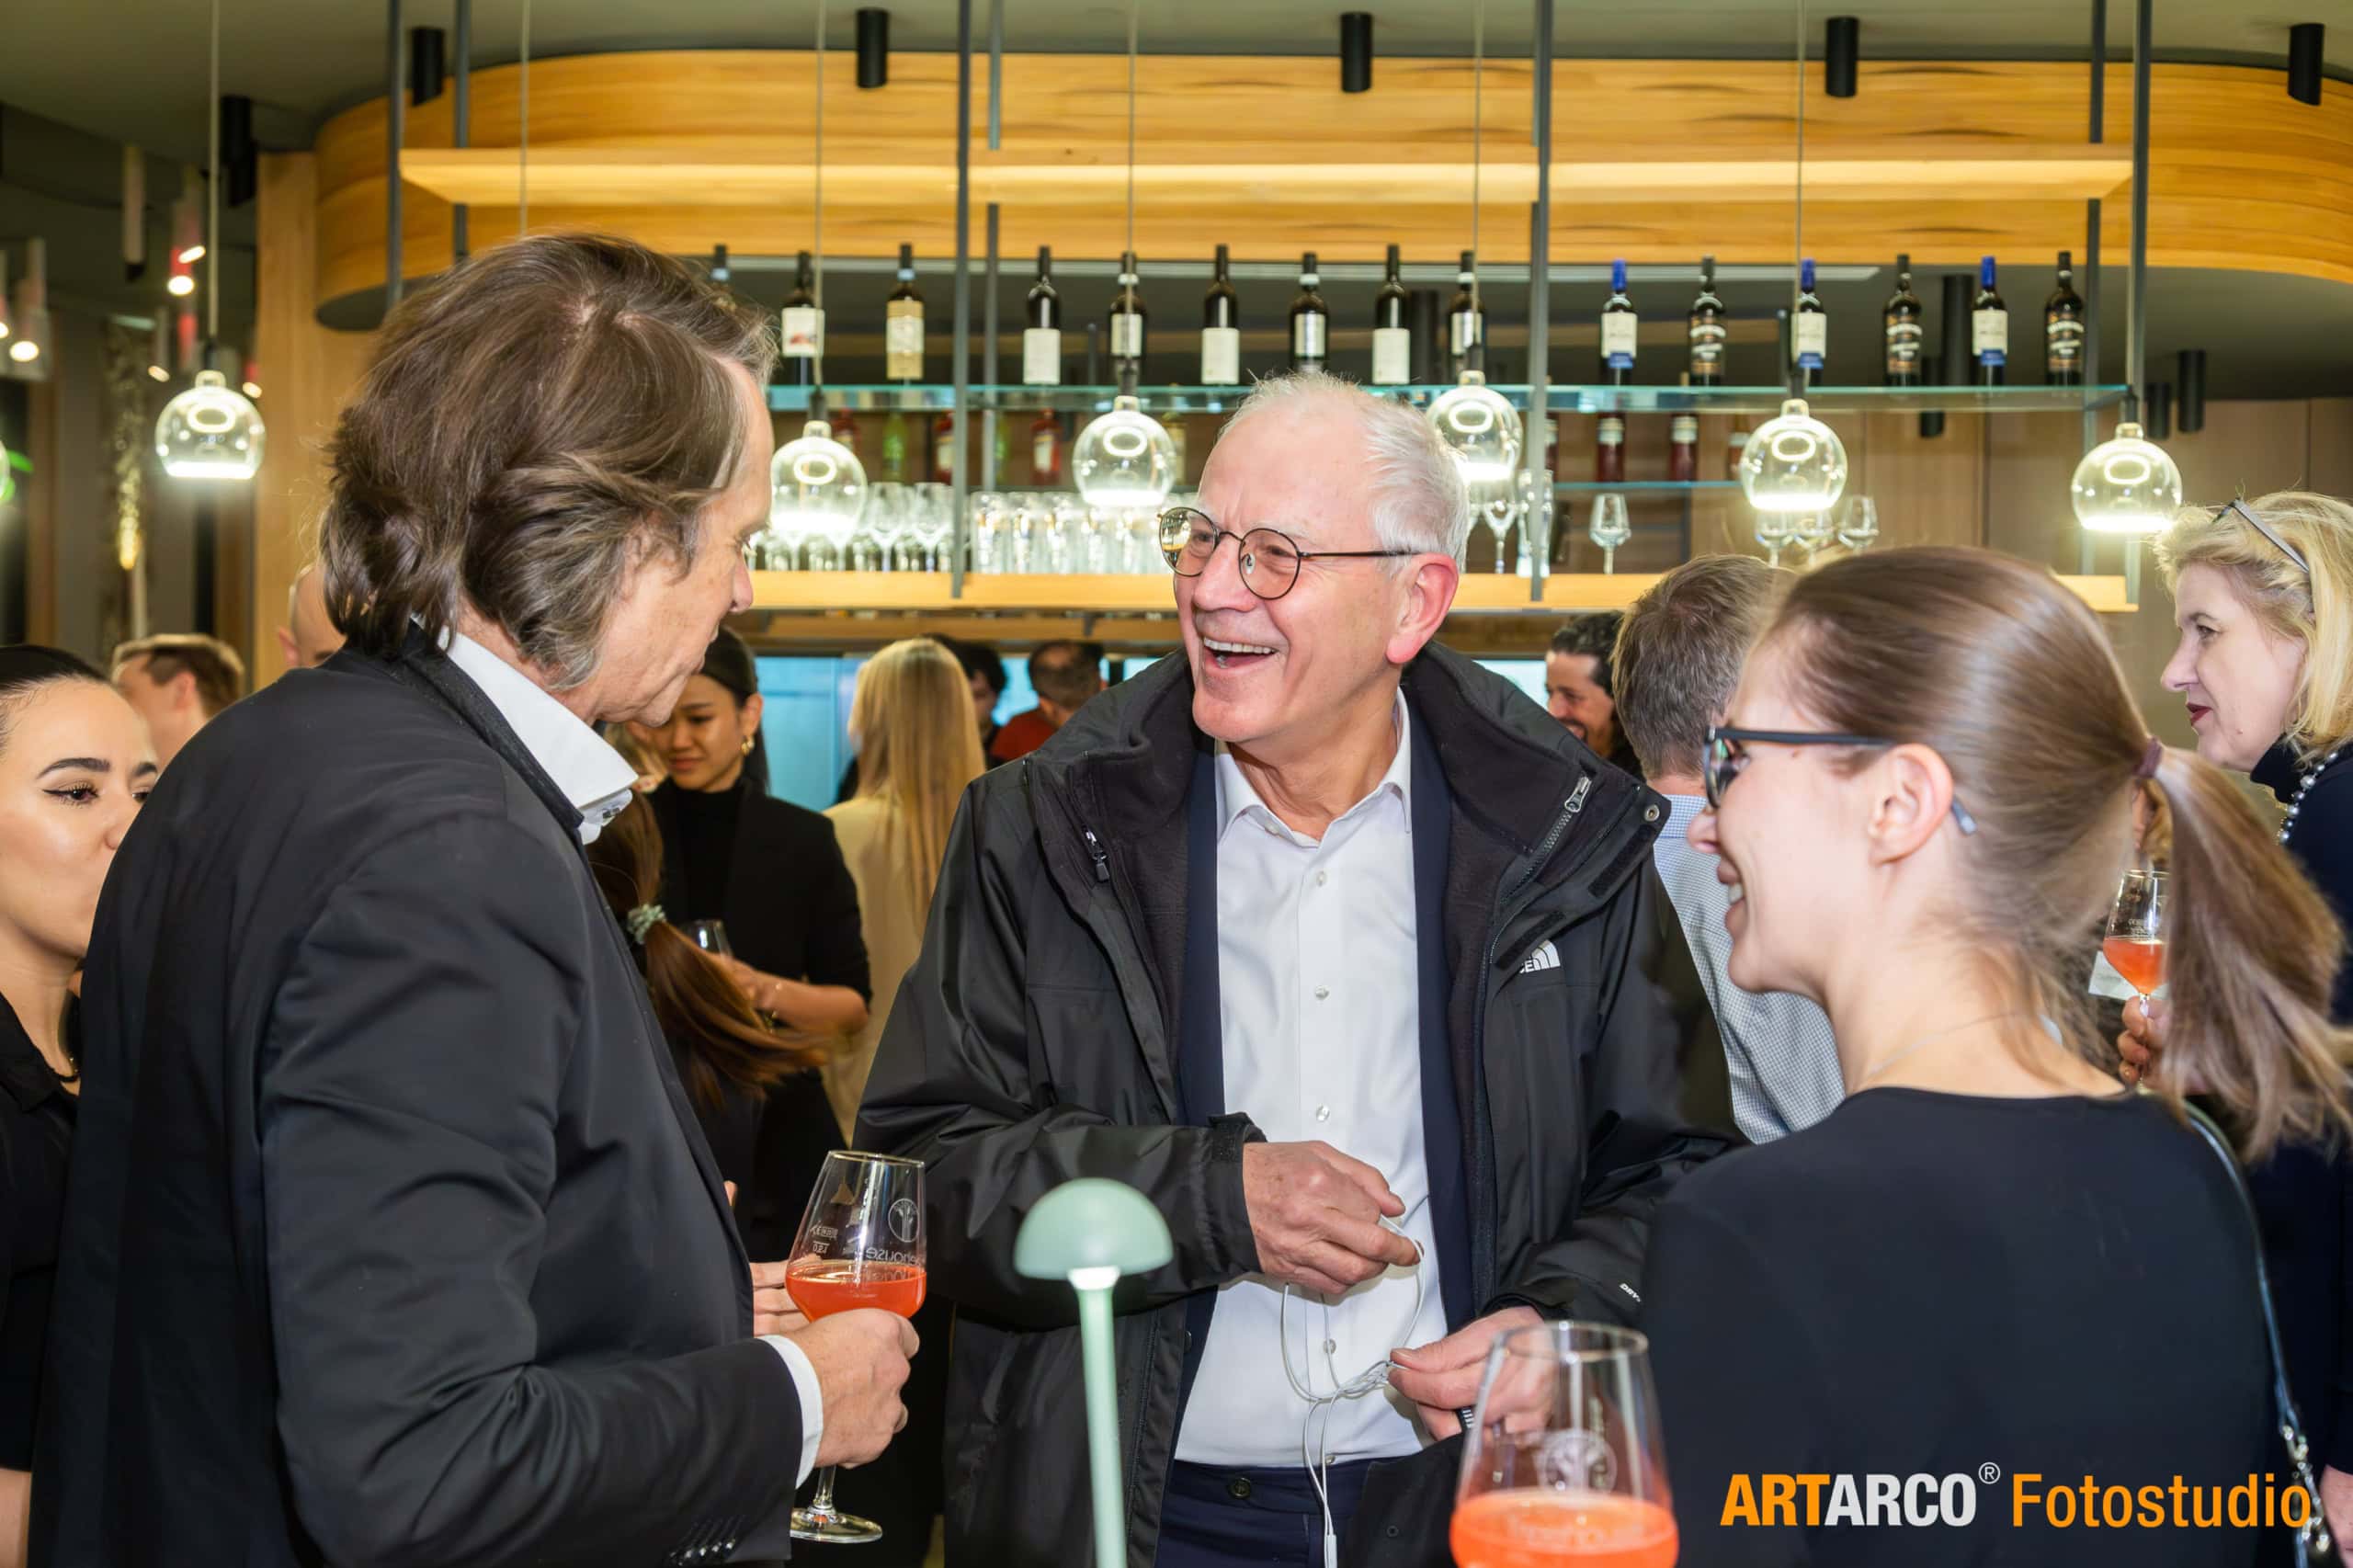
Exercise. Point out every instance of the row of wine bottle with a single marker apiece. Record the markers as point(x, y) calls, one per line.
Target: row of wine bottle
point(1466, 334)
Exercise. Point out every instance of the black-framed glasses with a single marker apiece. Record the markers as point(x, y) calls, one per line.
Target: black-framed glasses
point(1725, 759)
point(2281, 545)
point(1269, 558)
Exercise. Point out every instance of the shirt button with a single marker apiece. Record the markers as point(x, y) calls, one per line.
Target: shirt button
point(1323, 1113)
point(1322, 991)
point(1321, 878)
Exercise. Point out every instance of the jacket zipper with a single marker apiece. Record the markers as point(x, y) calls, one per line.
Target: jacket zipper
point(1097, 853)
point(1482, 1244)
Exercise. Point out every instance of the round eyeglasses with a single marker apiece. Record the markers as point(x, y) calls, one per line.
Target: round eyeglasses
point(1269, 560)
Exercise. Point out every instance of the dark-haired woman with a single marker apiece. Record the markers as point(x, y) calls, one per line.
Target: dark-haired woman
point(75, 762)
point(775, 875)
point(1924, 797)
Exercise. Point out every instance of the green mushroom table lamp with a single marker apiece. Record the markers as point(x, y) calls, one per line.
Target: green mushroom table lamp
point(1091, 1231)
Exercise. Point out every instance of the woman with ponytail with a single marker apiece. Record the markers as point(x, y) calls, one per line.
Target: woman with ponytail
point(1992, 1254)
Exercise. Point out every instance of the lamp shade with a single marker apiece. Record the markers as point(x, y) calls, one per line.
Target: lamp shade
point(211, 431)
point(1794, 463)
point(1125, 459)
point(1481, 429)
point(1091, 1223)
point(2127, 486)
point(816, 485)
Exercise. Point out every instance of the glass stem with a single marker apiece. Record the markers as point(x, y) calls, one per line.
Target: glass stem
point(1609, 559)
point(822, 1505)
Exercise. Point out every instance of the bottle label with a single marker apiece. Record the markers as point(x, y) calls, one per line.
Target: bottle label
point(1903, 347)
point(1127, 337)
point(1618, 339)
point(804, 331)
point(1463, 332)
point(1683, 430)
point(1045, 451)
point(1392, 355)
point(1811, 330)
point(1042, 356)
point(1707, 342)
point(903, 339)
point(2064, 336)
point(1611, 431)
point(1221, 355)
point(1989, 337)
point(1307, 331)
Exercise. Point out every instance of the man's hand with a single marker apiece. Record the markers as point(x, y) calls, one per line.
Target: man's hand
point(1316, 1212)
point(861, 1361)
point(1443, 1377)
point(2144, 1037)
point(772, 1309)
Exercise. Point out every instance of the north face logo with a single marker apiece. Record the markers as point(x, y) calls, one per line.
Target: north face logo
point(1545, 957)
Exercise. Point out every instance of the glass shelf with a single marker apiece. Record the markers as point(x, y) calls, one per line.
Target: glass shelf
point(934, 398)
point(1639, 486)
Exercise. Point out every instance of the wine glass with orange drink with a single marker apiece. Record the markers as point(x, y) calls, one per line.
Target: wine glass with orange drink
point(1563, 1467)
point(2135, 943)
point(860, 1246)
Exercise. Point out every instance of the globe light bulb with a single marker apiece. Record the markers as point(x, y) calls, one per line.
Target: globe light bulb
point(1481, 429)
point(1124, 460)
point(2127, 486)
point(1793, 463)
point(209, 431)
point(816, 486)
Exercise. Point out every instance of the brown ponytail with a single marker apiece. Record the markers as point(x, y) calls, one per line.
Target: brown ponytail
point(2011, 680)
point(2251, 959)
point(718, 1036)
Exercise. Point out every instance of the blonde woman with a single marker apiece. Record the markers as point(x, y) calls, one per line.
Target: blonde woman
point(917, 750)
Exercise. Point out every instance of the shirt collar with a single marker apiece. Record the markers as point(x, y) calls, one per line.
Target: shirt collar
point(1235, 796)
point(592, 775)
point(1680, 810)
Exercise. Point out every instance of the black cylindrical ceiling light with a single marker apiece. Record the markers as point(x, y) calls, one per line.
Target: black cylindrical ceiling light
point(1841, 45)
point(2303, 63)
point(1356, 52)
point(425, 61)
point(873, 46)
point(238, 151)
point(2192, 376)
point(2156, 414)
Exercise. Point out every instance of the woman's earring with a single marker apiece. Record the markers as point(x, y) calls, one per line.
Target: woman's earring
point(747, 746)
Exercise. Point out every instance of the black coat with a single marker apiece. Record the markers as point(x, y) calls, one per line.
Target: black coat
point(1044, 1034)
point(390, 1237)
point(792, 910)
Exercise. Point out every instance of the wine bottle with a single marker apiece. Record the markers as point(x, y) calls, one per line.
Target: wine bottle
point(1041, 339)
point(1619, 329)
point(803, 329)
point(1310, 322)
point(1683, 444)
point(1900, 322)
point(943, 449)
point(1609, 449)
point(894, 447)
point(1706, 330)
point(902, 325)
point(1220, 331)
point(1809, 328)
point(1392, 339)
point(1046, 451)
point(1127, 322)
point(2063, 328)
point(1989, 330)
point(1466, 322)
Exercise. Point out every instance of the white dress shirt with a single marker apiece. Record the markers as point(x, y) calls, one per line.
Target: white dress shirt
point(1318, 980)
point(599, 783)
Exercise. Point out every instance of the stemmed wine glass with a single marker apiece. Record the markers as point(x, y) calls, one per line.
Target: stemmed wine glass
point(1773, 530)
point(1498, 507)
point(1610, 528)
point(1814, 530)
point(1861, 526)
point(711, 936)
point(1562, 1463)
point(860, 1246)
point(2135, 943)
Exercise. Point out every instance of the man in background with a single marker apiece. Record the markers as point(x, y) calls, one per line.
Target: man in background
point(1578, 688)
point(308, 639)
point(1063, 674)
point(179, 682)
point(1677, 659)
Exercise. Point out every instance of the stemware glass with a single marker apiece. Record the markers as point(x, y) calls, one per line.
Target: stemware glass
point(1562, 1464)
point(1773, 531)
point(1860, 527)
point(887, 521)
point(2135, 941)
point(861, 1244)
point(1497, 505)
point(1610, 528)
point(1814, 530)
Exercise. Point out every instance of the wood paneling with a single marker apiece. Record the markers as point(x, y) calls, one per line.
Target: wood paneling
point(307, 371)
point(2241, 176)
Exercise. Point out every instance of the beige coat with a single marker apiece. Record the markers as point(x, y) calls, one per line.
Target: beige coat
point(879, 864)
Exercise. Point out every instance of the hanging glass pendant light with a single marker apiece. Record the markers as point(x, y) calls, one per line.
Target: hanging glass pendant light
point(816, 486)
point(1794, 463)
point(1125, 459)
point(1481, 429)
point(2127, 486)
point(211, 431)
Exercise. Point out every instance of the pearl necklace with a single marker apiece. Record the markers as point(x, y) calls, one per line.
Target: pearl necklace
point(2303, 789)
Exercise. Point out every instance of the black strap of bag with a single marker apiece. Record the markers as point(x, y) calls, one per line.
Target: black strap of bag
point(2315, 1548)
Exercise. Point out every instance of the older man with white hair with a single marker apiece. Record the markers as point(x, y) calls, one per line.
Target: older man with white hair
point(1352, 960)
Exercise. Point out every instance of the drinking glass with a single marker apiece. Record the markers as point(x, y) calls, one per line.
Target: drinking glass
point(1814, 531)
point(2136, 942)
point(1773, 530)
point(887, 520)
point(1498, 507)
point(711, 936)
point(1610, 528)
point(1861, 523)
point(860, 1246)
point(1562, 1463)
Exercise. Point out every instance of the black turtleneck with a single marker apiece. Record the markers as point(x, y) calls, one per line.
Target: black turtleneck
point(36, 1132)
point(2320, 836)
point(707, 822)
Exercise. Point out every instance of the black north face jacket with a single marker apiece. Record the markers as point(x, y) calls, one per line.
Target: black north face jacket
point(1054, 1028)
